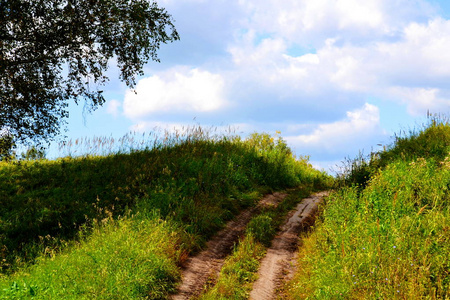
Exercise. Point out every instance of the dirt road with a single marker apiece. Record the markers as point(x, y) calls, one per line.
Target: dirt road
point(279, 262)
point(207, 264)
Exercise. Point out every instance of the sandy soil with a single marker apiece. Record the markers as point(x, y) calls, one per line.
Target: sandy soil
point(279, 263)
point(205, 267)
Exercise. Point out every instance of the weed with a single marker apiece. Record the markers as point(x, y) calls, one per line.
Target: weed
point(261, 228)
point(238, 272)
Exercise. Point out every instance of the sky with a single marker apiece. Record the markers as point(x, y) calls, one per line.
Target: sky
point(335, 77)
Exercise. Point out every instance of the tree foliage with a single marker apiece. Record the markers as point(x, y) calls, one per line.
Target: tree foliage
point(7, 146)
point(55, 51)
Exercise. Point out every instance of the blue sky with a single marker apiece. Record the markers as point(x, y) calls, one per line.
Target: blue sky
point(334, 76)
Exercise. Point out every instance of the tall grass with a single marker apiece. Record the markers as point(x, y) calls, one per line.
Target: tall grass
point(431, 141)
point(391, 239)
point(158, 138)
point(183, 189)
point(238, 272)
point(124, 259)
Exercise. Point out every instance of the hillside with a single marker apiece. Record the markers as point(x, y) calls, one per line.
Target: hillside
point(124, 225)
point(121, 225)
point(386, 233)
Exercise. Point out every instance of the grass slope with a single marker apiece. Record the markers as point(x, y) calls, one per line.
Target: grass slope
point(387, 237)
point(118, 226)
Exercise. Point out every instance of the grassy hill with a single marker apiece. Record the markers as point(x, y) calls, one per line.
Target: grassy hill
point(386, 233)
point(118, 226)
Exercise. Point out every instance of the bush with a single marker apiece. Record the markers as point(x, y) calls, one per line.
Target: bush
point(262, 229)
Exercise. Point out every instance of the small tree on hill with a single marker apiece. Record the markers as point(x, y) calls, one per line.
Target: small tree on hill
point(7, 146)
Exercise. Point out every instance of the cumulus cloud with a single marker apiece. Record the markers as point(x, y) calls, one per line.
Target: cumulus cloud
point(192, 90)
point(352, 50)
point(359, 129)
point(421, 100)
point(417, 59)
point(311, 22)
point(422, 53)
point(296, 64)
point(113, 107)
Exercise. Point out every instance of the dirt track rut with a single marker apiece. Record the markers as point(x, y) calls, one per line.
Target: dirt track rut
point(278, 264)
point(207, 264)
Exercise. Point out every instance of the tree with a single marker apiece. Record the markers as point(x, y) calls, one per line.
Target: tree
point(7, 146)
point(56, 51)
point(34, 153)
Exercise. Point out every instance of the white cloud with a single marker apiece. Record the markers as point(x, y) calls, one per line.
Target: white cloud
point(358, 50)
point(113, 107)
point(422, 51)
point(176, 91)
point(357, 131)
point(330, 68)
point(277, 62)
point(310, 22)
point(264, 53)
point(417, 59)
point(360, 13)
point(421, 100)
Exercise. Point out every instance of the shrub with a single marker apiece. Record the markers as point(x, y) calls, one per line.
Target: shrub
point(262, 229)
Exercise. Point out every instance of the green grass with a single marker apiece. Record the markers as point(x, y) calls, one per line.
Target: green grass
point(388, 238)
point(120, 225)
point(124, 259)
point(238, 272)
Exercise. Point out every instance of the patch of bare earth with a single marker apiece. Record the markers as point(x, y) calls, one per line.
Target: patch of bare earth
point(205, 266)
point(279, 263)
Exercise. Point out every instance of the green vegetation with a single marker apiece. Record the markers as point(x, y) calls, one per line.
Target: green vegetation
point(119, 225)
point(385, 235)
point(123, 259)
point(238, 272)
